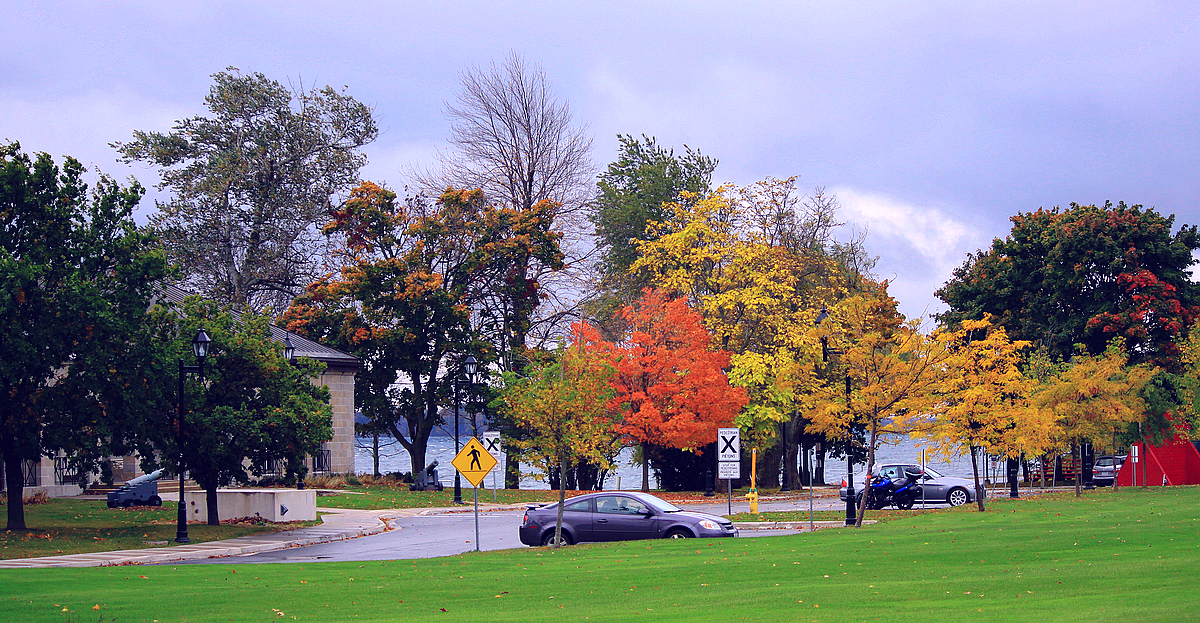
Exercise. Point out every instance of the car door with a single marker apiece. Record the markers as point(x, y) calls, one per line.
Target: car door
point(578, 519)
point(620, 518)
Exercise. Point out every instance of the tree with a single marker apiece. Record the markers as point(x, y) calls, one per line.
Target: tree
point(671, 388)
point(76, 280)
point(564, 407)
point(253, 405)
point(893, 371)
point(251, 183)
point(1083, 276)
point(985, 403)
point(407, 299)
point(514, 140)
point(636, 190)
point(1093, 397)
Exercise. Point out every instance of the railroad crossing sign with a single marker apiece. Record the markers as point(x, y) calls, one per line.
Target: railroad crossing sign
point(474, 462)
point(491, 443)
point(729, 444)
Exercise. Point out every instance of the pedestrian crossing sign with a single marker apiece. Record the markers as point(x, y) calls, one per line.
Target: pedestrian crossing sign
point(474, 462)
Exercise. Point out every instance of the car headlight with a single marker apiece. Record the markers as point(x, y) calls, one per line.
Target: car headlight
point(709, 524)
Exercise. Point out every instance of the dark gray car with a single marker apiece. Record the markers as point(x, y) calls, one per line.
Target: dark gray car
point(619, 516)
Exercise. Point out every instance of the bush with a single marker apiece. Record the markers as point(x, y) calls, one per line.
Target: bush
point(352, 480)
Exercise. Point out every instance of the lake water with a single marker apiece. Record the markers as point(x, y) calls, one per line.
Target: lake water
point(393, 458)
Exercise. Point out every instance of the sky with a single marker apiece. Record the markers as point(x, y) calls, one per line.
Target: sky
point(932, 122)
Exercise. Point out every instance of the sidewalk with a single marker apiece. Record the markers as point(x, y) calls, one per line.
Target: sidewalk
point(337, 524)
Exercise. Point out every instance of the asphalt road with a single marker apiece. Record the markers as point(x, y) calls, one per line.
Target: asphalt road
point(454, 533)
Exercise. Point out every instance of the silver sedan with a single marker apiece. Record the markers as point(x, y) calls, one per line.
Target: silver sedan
point(937, 488)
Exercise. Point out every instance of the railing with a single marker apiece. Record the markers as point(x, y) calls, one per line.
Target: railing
point(63, 473)
point(29, 468)
point(323, 462)
point(273, 467)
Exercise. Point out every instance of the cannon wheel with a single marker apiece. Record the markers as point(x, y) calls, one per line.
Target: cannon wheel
point(155, 501)
point(127, 503)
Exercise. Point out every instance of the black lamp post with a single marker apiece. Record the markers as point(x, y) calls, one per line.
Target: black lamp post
point(200, 345)
point(469, 366)
point(826, 351)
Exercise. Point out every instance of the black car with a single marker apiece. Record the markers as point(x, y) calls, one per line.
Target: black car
point(619, 516)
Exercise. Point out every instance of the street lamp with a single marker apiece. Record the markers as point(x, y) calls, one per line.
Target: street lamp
point(200, 347)
point(289, 350)
point(469, 366)
point(826, 351)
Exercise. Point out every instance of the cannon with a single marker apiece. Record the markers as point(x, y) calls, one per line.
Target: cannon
point(141, 491)
point(426, 479)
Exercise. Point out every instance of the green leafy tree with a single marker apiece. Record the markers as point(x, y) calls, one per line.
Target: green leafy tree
point(252, 405)
point(76, 281)
point(252, 183)
point(1085, 275)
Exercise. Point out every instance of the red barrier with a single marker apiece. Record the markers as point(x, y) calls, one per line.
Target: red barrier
point(1179, 462)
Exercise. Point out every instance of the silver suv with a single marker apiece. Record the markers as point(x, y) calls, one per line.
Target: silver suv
point(1106, 468)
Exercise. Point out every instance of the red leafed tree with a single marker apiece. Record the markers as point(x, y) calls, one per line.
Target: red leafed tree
point(1152, 323)
point(671, 386)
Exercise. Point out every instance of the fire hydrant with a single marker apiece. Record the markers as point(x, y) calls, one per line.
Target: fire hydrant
point(753, 495)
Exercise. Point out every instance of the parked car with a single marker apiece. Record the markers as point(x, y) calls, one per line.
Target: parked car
point(619, 516)
point(939, 489)
point(1106, 468)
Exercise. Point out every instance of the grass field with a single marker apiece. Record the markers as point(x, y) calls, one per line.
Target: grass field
point(63, 526)
point(1050, 558)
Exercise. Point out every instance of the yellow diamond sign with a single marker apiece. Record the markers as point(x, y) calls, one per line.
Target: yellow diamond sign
point(474, 462)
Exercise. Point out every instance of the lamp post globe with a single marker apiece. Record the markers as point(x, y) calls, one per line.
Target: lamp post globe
point(289, 350)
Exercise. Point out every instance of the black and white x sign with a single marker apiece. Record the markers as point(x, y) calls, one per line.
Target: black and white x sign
point(491, 443)
point(729, 444)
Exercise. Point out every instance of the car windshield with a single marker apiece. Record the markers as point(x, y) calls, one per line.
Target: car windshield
point(1106, 461)
point(659, 505)
point(932, 473)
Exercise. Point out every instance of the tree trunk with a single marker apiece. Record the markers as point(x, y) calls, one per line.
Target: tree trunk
point(562, 499)
point(790, 468)
point(375, 453)
point(14, 479)
point(862, 504)
point(210, 500)
point(645, 469)
point(975, 472)
point(512, 472)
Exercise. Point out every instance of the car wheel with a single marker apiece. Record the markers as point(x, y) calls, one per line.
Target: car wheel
point(548, 538)
point(679, 533)
point(155, 500)
point(957, 497)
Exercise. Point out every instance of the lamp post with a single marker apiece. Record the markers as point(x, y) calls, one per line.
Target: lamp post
point(826, 351)
point(200, 345)
point(469, 366)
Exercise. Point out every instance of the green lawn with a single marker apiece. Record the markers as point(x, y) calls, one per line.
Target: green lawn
point(63, 526)
point(1105, 557)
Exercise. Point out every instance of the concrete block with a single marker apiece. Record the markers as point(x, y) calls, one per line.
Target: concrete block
point(276, 505)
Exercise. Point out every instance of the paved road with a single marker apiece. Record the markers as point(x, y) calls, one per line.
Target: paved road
point(454, 533)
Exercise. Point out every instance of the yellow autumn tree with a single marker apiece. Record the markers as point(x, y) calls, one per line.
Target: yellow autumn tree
point(1092, 397)
point(895, 373)
point(756, 264)
point(984, 403)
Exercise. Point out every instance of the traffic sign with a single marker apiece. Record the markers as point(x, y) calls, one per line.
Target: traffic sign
point(729, 444)
point(473, 462)
point(729, 470)
point(491, 443)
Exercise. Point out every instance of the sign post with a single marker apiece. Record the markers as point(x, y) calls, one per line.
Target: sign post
point(474, 463)
point(491, 443)
point(729, 460)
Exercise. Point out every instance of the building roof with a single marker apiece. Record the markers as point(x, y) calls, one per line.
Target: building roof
point(304, 347)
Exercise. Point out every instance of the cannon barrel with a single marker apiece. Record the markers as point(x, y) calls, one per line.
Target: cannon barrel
point(144, 478)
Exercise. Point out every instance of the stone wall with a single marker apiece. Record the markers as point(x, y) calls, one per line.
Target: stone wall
point(341, 389)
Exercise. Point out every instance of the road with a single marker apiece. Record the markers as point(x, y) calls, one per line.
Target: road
point(454, 533)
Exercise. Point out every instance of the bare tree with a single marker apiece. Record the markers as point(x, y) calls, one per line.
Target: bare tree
point(512, 138)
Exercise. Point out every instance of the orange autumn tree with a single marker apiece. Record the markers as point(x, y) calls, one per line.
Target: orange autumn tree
point(671, 388)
